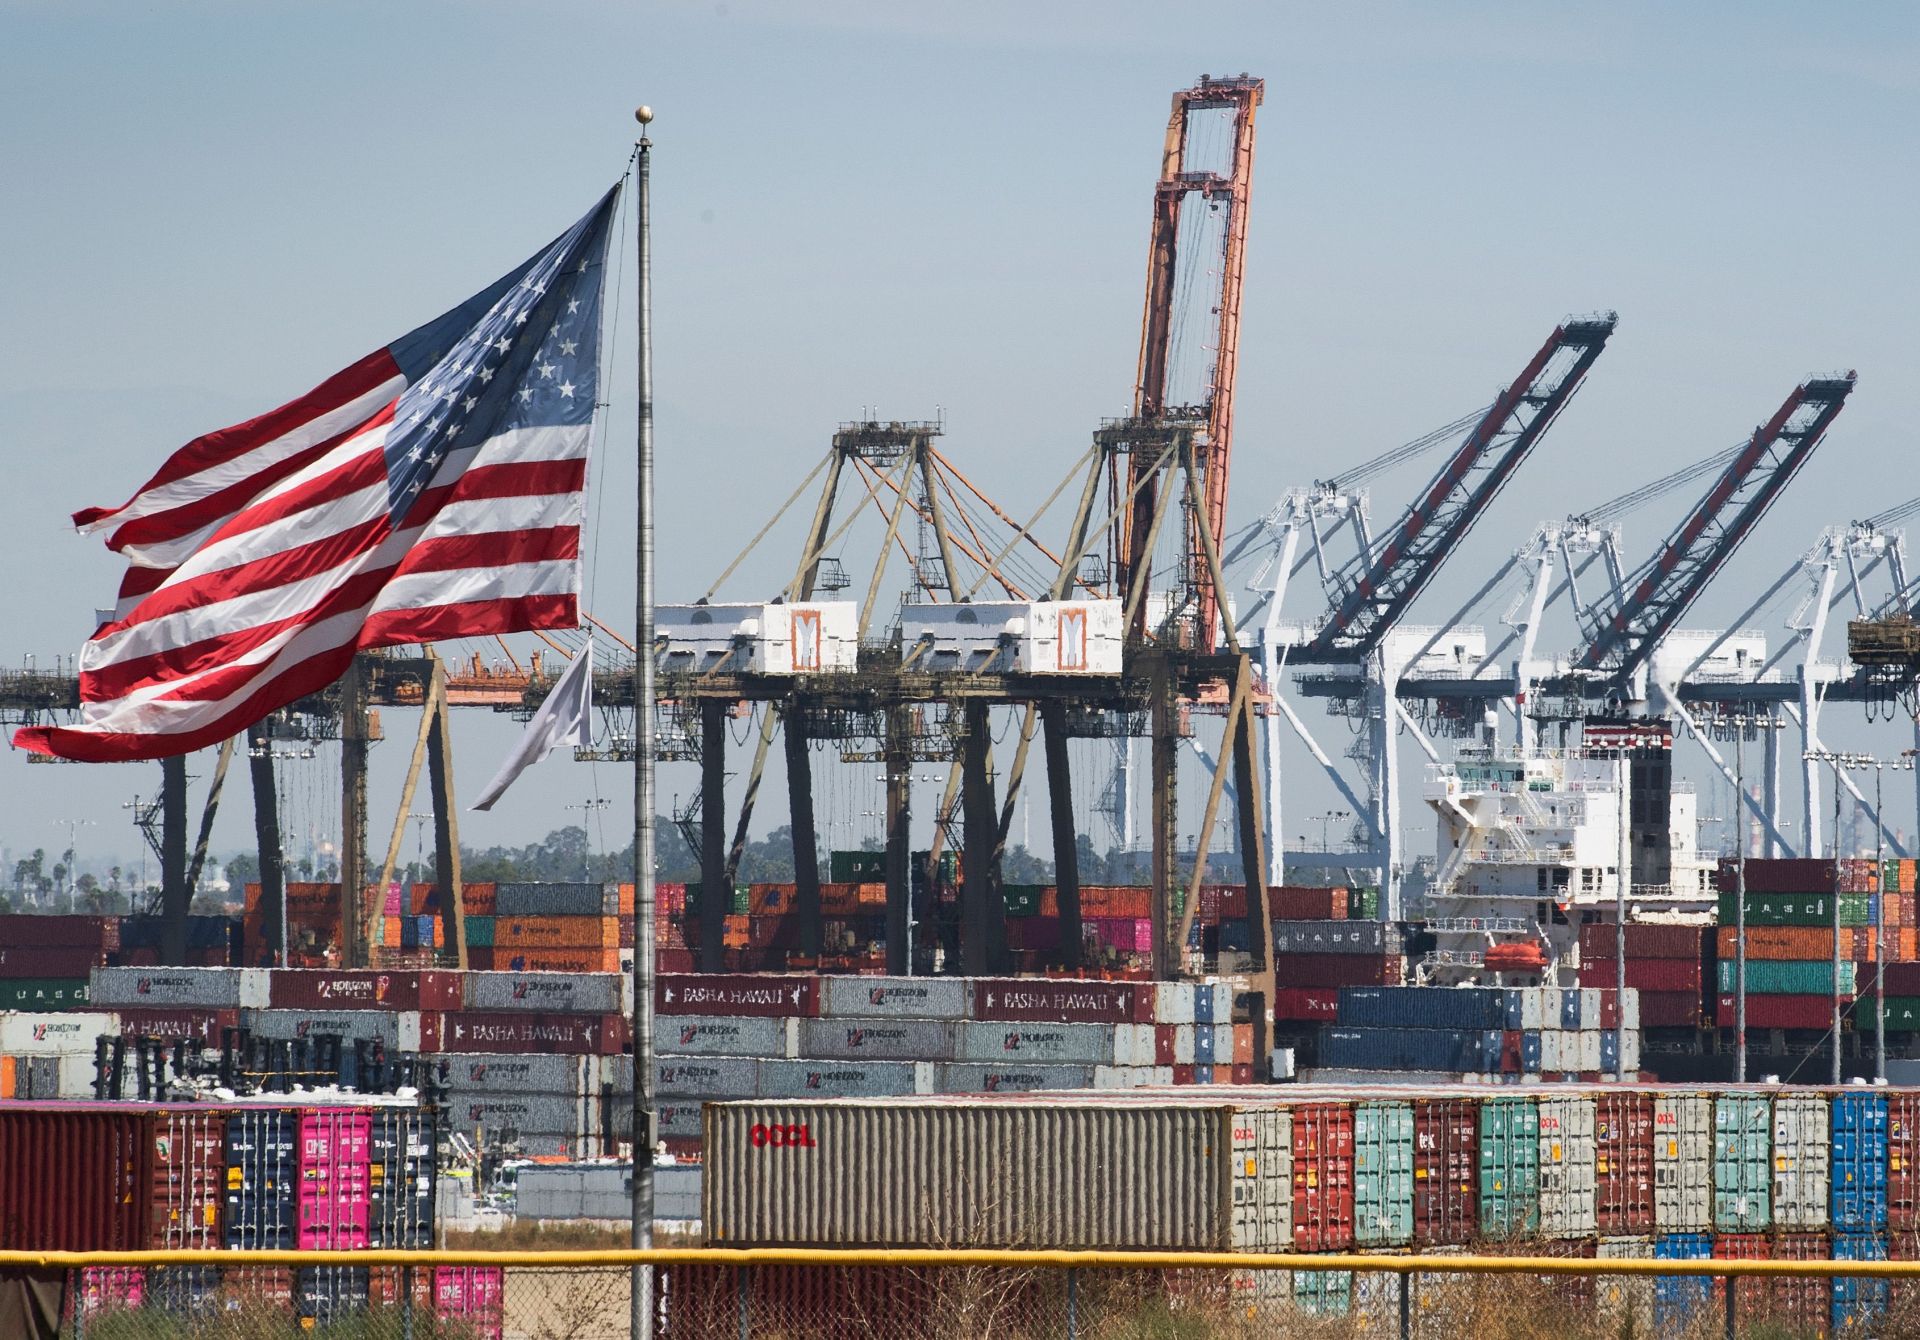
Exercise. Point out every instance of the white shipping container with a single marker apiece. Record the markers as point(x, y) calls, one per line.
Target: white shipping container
point(1183, 1047)
point(1173, 1002)
point(54, 1034)
point(707, 1076)
point(1630, 1009)
point(211, 988)
point(1590, 1007)
point(1552, 1053)
point(1683, 1163)
point(983, 1077)
point(810, 637)
point(1060, 1044)
point(1630, 1051)
point(77, 1076)
point(843, 1079)
point(1531, 1015)
point(1625, 1301)
point(895, 997)
point(1133, 1044)
point(1800, 1161)
point(716, 1035)
point(1589, 1054)
point(1567, 1174)
point(1223, 1044)
point(880, 1039)
point(1132, 1076)
point(1262, 1180)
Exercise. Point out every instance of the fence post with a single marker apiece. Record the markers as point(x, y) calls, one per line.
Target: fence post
point(1732, 1280)
point(740, 1299)
point(77, 1291)
point(1073, 1303)
point(1406, 1305)
point(406, 1302)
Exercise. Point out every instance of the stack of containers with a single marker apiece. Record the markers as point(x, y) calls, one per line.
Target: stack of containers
point(209, 942)
point(45, 961)
point(313, 926)
point(1314, 958)
point(1666, 964)
point(552, 928)
point(1789, 916)
point(1482, 1031)
point(45, 1056)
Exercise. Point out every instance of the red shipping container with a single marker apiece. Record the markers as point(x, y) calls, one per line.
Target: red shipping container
point(1336, 970)
point(30, 932)
point(1646, 974)
point(195, 1025)
point(1803, 1304)
point(1315, 1004)
point(1623, 1161)
point(1061, 1000)
point(50, 961)
point(1183, 1074)
point(671, 961)
point(1322, 1177)
point(508, 1031)
point(1644, 940)
point(716, 993)
point(1903, 1160)
point(1769, 1011)
point(1289, 902)
point(75, 1178)
point(1233, 903)
point(1243, 1072)
point(364, 989)
point(1781, 875)
point(1446, 1145)
point(1902, 979)
point(1751, 1301)
point(1670, 1009)
point(189, 1178)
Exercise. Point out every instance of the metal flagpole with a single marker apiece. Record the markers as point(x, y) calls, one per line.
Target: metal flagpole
point(1740, 900)
point(643, 846)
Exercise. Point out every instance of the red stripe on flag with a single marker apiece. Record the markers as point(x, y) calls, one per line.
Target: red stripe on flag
point(480, 618)
point(217, 448)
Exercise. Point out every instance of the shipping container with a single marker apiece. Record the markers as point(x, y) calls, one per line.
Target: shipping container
point(972, 1174)
point(333, 1211)
point(1567, 1167)
point(894, 997)
point(716, 994)
point(1857, 1301)
point(1338, 969)
point(837, 1079)
point(1262, 1180)
point(1903, 1160)
point(1323, 1205)
point(986, 1077)
point(1476, 1008)
point(1683, 1154)
point(555, 993)
point(1859, 1159)
point(205, 1026)
point(1742, 1163)
point(297, 989)
point(1781, 977)
point(42, 932)
point(1801, 1125)
point(1446, 1148)
point(44, 993)
point(675, 1077)
point(262, 1179)
point(75, 1177)
point(1509, 1167)
point(1382, 1173)
point(586, 1034)
point(38, 1034)
point(189, 1178)
point(73, 962)
point(1678, 1300)
point(1623, 1167)
point(216, 988)
point(555, 900)
point(895, 1039)
point(1338, 937)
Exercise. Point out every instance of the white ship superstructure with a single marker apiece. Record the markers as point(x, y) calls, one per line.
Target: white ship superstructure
point(1531, 845)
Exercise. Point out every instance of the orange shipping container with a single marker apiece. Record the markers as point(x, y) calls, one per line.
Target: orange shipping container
point(1785, 942)
point(1129, 902)
point(839, 899)
point(6, 1077)
point(870, 895)
point(557, 932)
point(766, 899)
point(478, 898)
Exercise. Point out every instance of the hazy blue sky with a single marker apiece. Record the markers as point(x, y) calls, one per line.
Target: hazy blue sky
point(210, 206)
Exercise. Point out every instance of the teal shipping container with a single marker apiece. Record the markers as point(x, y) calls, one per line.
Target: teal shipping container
point(1323, 1293)
point(1382, 1174)
point(1510, 1166)
point(1742, 1163)
point(479, 932)
point(1789, 977)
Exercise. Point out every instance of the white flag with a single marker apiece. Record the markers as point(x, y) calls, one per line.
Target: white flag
point(564, 718)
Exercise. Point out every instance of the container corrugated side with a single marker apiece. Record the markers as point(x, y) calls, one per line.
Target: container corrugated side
point(1800, 1150)
point(965, 1174)
point(1567, 1167)
point(1382, 1173)
point(1858, 1162)
point(1509, 1167)
point(1262, 1184)
point(1742, 1163)
point(75, 1179)
point(1683, 1145)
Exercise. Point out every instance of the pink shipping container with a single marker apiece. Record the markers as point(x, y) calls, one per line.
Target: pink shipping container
point(112, 1289)
point(472, 1295)
point(335, 1202)
point(1129, 935)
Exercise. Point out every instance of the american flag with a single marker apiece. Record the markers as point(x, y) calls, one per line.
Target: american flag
point(431, 490)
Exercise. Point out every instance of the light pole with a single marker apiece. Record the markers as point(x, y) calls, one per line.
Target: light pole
point(587, 807)
point(73, 858)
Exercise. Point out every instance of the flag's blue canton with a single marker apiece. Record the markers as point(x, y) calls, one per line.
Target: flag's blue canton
point(531, 362)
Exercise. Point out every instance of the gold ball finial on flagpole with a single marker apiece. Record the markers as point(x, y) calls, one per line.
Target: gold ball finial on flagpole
point(643, 114)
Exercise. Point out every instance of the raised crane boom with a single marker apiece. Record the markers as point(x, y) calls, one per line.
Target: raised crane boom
point(1446, 509)
point(1214, 417)
point(1660, 591)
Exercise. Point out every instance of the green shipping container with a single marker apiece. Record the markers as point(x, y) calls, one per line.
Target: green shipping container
point(1509, 1167)
point(857, 867)
point(1903, 1015)
point(1383, 1174)
point(1323, 1293)
point(1789, 977)
point(42, 993)
point(1742, 1163)
point(1023, 900)
point(1363, 904)
point(1795, 909)
point(479, 932)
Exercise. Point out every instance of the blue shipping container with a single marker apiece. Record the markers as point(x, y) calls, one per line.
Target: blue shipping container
point(1859, 1161)
point(1423, 1007)
point(1677, 1299)
point(1570, 1007)
point(1530, 1051)
point(1426, 1049)
point(1857, 1300)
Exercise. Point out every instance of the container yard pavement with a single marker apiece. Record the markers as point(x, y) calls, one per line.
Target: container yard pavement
point(707, 1294)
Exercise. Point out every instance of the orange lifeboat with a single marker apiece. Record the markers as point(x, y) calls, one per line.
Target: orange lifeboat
point(1524, 957)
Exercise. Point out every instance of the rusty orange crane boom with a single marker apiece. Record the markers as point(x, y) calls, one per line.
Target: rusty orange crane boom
point(1213, 417)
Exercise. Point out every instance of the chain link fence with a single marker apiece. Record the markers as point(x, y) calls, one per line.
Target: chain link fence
point(778, 1301)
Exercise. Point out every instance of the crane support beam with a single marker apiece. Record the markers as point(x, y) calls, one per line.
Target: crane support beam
point(1387, 582)
point(1660, 592)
